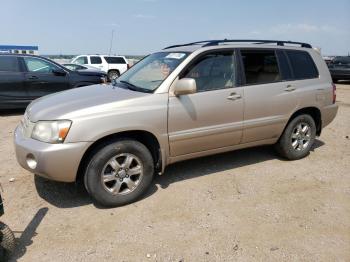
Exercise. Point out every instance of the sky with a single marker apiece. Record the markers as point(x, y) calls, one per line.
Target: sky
point(145, 26)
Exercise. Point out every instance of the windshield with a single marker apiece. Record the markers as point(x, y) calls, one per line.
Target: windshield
point(149, 73)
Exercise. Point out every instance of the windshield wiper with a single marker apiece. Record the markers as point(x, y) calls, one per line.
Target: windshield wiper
point(135, 88)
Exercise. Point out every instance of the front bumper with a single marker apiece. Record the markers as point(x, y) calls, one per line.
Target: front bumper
point(58, 162)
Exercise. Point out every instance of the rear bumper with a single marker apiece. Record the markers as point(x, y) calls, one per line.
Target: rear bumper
point(58, 162)
point(328, 114)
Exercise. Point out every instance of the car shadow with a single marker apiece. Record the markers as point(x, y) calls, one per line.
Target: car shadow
point(12, 112)
point(343, 82)
point(217, 163)
point(70, 195)
point(62, 195)
point(27, 235)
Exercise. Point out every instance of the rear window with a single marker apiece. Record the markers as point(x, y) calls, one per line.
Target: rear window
point(302, 65)
point(9, 64)
point(95, 60)
point(115, 60)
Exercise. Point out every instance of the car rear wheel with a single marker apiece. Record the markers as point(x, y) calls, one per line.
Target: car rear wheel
point(298, 138)
point(113, 74)
point(119, 173)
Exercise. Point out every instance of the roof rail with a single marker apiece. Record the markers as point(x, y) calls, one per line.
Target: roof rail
point(217, 42)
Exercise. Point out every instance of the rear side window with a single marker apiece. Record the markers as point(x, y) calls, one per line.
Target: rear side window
point(260, 66)
point(303, 66)
point(9, 64)
point(115, 60)
point(95, 60)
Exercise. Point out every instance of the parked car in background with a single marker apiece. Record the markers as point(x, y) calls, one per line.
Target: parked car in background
point(328, 59)
point(182, 102)
point(114, 66)
point(340, 68)
point(24, 78)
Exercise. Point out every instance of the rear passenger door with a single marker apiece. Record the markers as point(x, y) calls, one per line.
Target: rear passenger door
point(96, 61)
point(270, 97)
point(11, 80)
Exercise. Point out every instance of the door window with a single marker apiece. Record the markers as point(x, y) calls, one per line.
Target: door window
point(95, 60)
point(260, 66)
point(81, 60)
point(9, 64)
point(213, 71)
point(38, 65)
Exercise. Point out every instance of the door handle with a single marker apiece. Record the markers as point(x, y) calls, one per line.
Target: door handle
point(33, 77)
point(289, 88)
point(234, 96)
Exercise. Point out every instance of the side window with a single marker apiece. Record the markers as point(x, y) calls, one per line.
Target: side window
point(95, 60)
point(38, 65)
point(81, 60)
point(260, 66)
point(302, 64)
point(9, 64)
point(286, 73)
point(213, 71)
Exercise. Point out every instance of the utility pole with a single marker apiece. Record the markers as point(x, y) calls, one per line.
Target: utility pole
point(110, 47)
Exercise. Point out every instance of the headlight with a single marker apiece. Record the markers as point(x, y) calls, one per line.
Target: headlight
point(51, 131)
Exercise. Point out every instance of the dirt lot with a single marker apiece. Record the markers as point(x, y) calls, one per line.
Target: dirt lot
point(246, 205)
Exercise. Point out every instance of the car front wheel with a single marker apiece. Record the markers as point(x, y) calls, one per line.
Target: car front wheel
point(119, 173)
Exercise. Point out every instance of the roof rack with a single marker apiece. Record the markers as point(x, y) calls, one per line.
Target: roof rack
point(217, 42)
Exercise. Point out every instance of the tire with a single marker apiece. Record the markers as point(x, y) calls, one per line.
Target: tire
point(295, 143)
point(7, 242)
point(119, 173)
point(113, 74)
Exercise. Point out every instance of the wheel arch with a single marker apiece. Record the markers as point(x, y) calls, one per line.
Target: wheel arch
point(314, 112)
point(113, 69)
point(145, 137)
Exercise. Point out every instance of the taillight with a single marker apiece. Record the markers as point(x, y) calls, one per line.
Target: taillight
point(334, 92)
point(128, 66)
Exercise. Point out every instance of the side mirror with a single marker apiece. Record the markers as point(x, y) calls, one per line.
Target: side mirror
point(185, 86)
point(59, 72)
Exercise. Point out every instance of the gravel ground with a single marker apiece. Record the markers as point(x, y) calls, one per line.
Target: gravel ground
point(246, 205)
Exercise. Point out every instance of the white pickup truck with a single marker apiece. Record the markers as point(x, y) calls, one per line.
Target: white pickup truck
point(114, 66)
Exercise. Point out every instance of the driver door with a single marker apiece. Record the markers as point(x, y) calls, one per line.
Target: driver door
point(211, 118)
point(40, 80)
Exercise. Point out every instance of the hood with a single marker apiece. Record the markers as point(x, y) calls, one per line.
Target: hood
point(81, 101)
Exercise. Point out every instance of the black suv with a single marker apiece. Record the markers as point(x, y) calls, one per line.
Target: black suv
point(24, 78)
point(340, 68)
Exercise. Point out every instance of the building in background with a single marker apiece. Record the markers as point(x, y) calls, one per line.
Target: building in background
point(19, 49)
